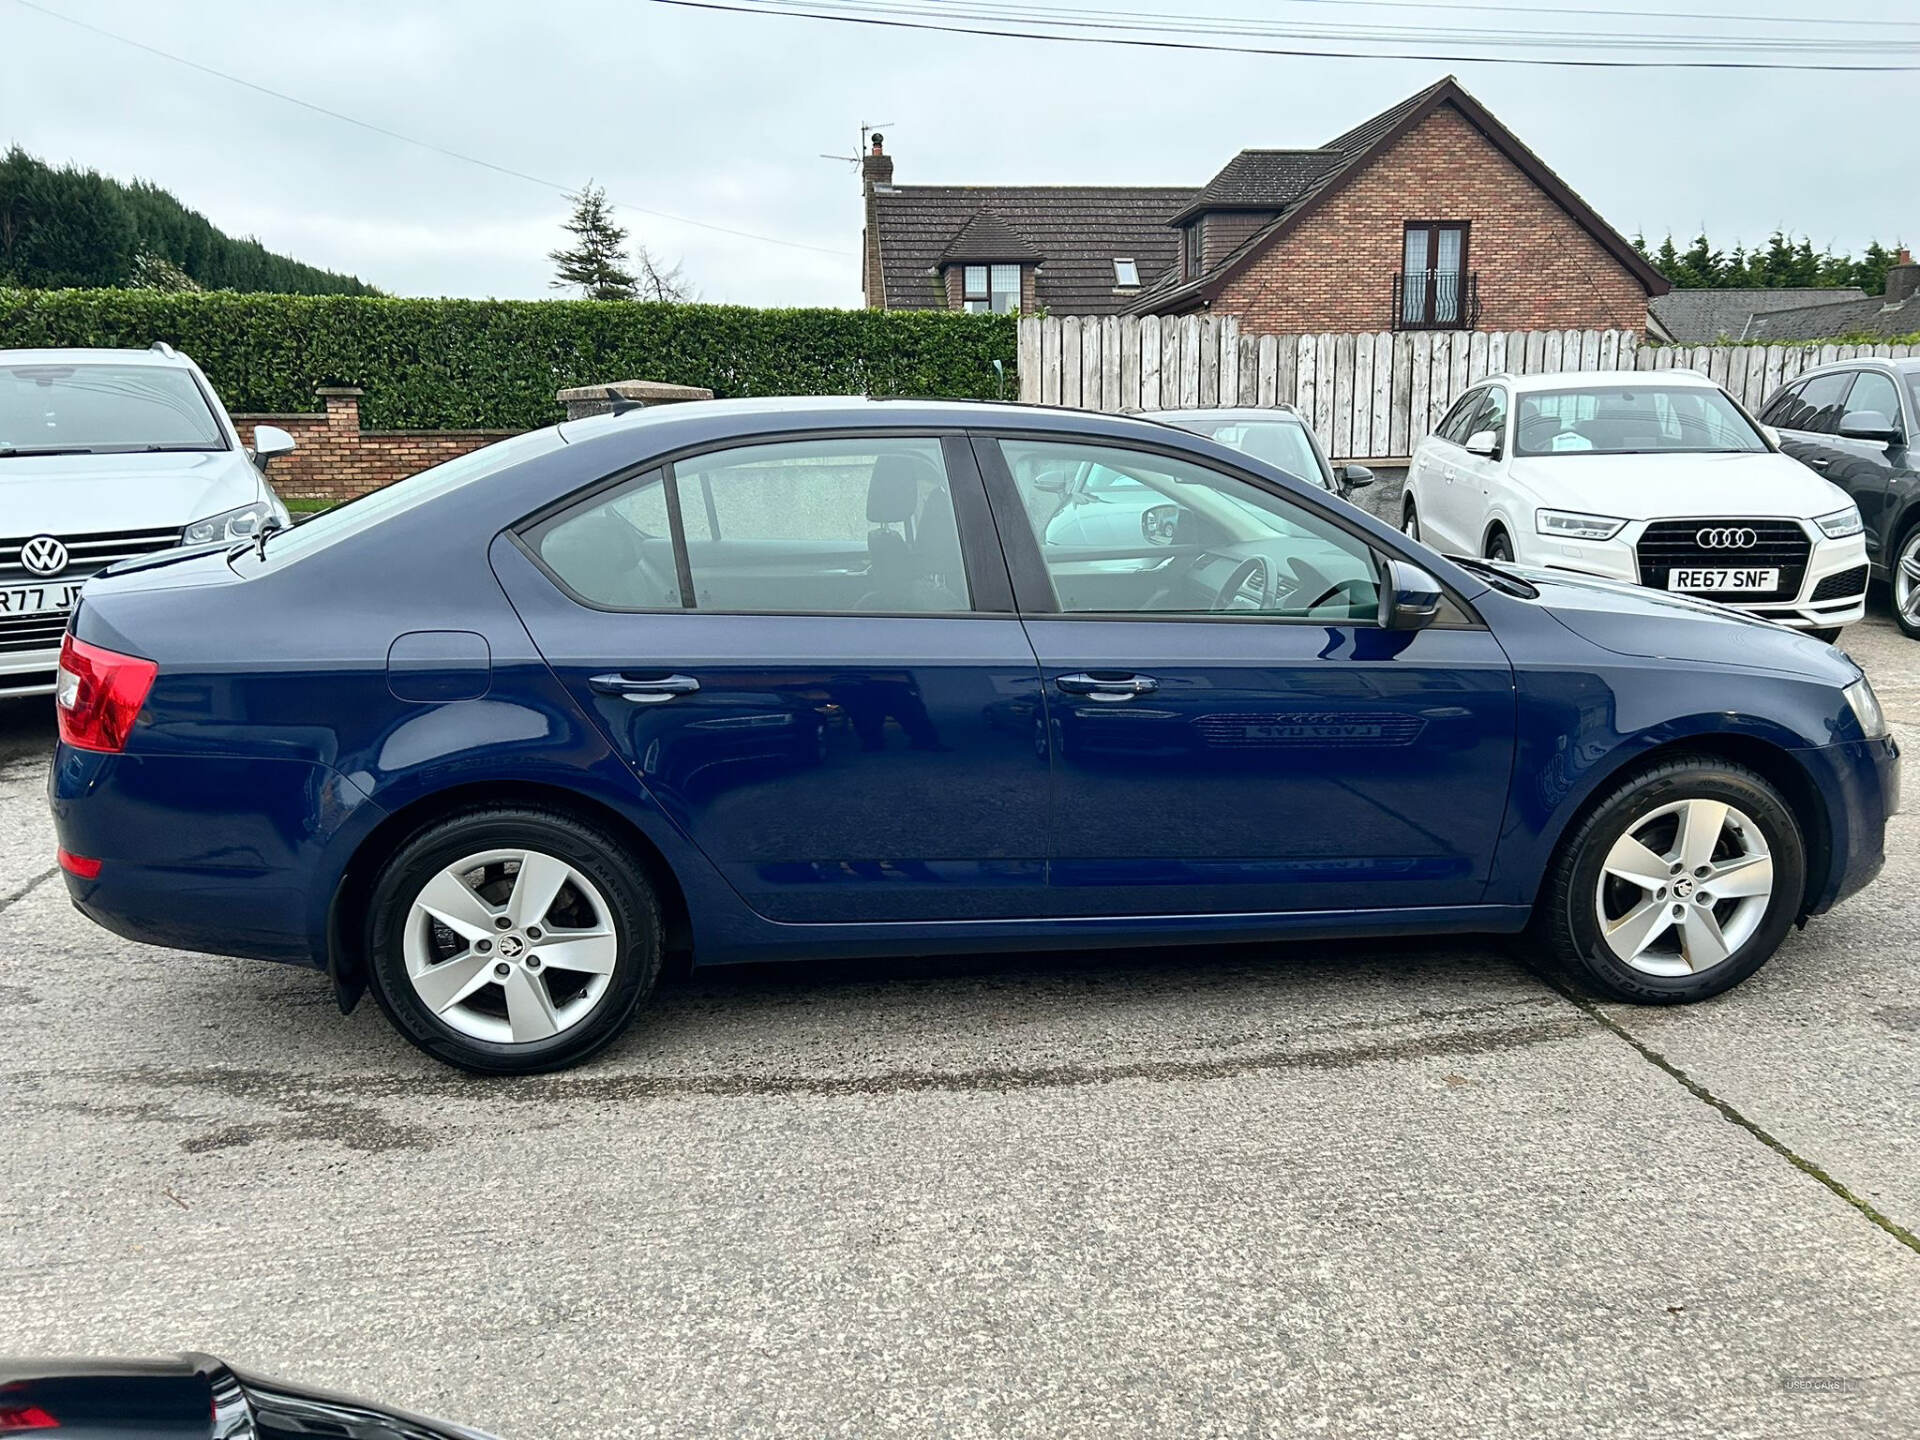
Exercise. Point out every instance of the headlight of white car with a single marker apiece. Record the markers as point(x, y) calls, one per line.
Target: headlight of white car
point(1572, 525)
point(241, 524)
point(1866, 708)
point(1841, 523)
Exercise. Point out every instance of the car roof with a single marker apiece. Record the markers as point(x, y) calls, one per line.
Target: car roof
point(1244, 413)
point(80, 355)
point(1609, 379)
point(1905, 364)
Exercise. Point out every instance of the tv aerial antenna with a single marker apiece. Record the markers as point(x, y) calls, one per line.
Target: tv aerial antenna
point(866, 129)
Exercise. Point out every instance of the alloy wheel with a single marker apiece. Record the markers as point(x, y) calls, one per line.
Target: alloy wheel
point(510, 946)
point(1684, 888)
point(1906, 579)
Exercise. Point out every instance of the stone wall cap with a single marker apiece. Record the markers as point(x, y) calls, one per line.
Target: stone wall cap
point(649, 392)
point(338, 390)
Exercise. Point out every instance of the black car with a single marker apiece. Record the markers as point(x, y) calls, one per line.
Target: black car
point(1854, 422)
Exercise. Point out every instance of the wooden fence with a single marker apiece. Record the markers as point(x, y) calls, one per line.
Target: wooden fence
point(1368, 397)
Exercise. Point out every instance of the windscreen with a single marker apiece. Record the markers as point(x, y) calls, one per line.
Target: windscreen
point(86, 409)
point(1631, 420)
point(1282, 445)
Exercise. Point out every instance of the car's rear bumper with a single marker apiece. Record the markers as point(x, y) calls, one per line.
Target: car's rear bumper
point(1859, 782)
point(216, 854)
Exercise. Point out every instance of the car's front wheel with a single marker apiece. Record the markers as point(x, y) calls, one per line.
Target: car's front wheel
point(1410, 521)
point(1906, 583)
point(1499, 547)
point(1678, 885)
point(511, 941)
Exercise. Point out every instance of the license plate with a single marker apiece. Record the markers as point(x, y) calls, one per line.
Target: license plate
point(38, 599)
point(1709, 580)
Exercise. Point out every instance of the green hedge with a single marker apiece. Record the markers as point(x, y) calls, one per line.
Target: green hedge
point(495, 364)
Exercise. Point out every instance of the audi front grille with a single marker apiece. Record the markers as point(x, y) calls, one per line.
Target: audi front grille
point(1777, 545)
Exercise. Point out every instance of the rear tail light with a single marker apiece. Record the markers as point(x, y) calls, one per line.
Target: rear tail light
point(16, 1419)
point(98, 694)
point(81, 867)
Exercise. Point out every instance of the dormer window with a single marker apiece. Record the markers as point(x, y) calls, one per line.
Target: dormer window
point(991, 288)
point(1190, 250)
point(1126, 274)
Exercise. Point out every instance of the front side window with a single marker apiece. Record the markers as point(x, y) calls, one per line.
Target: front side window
point(795, 527)
point(1820, 404)
point(1183, 539)
point(1492, 415)
point(1874, 391)
point(88, 409)
point(1282, 444)
point(1453, 426)
point(992, 289)
point(1632, 420)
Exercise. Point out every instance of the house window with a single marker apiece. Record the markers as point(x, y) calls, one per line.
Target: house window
point(1434, 283)
point(994, 288)
point(1190, 250)
point(1126, 274)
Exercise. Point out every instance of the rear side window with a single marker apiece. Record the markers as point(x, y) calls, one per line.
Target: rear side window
point(797, 527)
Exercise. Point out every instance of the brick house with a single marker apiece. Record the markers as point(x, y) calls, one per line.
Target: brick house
point(1430, 216)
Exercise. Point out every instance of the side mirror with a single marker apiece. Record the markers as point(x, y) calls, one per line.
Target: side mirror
point(1409, 598)
point(269, 441)
point(1869, 425)
point(1354, 476)
point(1159, 524)
point(1485, 444)
point(1052, 482)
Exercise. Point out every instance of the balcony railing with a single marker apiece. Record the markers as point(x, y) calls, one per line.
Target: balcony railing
point(1435, 300)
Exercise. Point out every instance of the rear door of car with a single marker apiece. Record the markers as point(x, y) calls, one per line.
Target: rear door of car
point(805, 649)
point(1212, 754)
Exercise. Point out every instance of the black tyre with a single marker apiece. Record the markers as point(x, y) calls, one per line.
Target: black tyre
point(1829, 634)
point(1499, 547)
point(1680, 883)
point(511, 941)
point(1905, 587)
point(1410, 521)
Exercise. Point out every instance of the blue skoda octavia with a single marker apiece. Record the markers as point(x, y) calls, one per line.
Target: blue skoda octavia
point(775, 679)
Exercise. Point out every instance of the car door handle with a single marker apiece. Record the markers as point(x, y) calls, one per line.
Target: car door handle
point(642, 691)
point(1108, 688)
point(1818, 462)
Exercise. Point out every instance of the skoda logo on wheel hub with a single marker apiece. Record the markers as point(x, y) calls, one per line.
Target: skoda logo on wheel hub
point(511, 946)
point(44, 555)
point(1726, 538)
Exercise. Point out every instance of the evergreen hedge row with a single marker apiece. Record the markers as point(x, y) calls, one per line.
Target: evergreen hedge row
point(495, 364)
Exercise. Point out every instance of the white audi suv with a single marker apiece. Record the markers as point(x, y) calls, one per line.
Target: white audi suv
point(1652, 477)
point(105, 455)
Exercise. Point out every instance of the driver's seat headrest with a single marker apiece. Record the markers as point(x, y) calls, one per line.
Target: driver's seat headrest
point(893, 490)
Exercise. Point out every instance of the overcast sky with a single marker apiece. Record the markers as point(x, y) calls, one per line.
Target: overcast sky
point(724, 118)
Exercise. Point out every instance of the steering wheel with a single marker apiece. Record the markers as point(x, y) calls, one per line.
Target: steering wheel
point(1355, 585)
point(1251, 580)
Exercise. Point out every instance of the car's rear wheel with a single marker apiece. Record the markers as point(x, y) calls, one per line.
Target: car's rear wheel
point(510, 941)
point(1905, 571)
point(1410, 521)
point(1678, 885)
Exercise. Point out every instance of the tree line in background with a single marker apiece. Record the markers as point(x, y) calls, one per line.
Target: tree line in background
point(67, 227)
point(1782, 263)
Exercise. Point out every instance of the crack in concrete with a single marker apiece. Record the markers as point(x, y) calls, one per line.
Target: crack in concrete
point(1733, 1116)
point(27, 889)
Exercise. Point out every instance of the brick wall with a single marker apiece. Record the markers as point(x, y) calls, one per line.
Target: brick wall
point(335, 459)
point(1538, 269)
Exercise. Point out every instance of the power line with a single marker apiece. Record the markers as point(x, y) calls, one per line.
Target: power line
point(413, 140)
point(1053, 17)
point(921, 20)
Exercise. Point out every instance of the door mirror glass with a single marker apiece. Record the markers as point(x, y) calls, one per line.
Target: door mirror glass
point(1410, 597)
point(1354, 476)
point(1868, 425)
point(1484, 443)
point(269, 441)
point(1159, 524)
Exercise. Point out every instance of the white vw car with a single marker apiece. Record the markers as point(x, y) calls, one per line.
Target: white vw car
point(104, 455)
point(1653, 477)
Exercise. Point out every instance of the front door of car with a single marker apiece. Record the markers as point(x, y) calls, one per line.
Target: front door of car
point(1870, 469)
point(1479, 475)
point(808, 670)
point(1230, 728)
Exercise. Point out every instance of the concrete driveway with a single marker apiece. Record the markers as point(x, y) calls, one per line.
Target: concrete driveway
point(1362, 1190)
